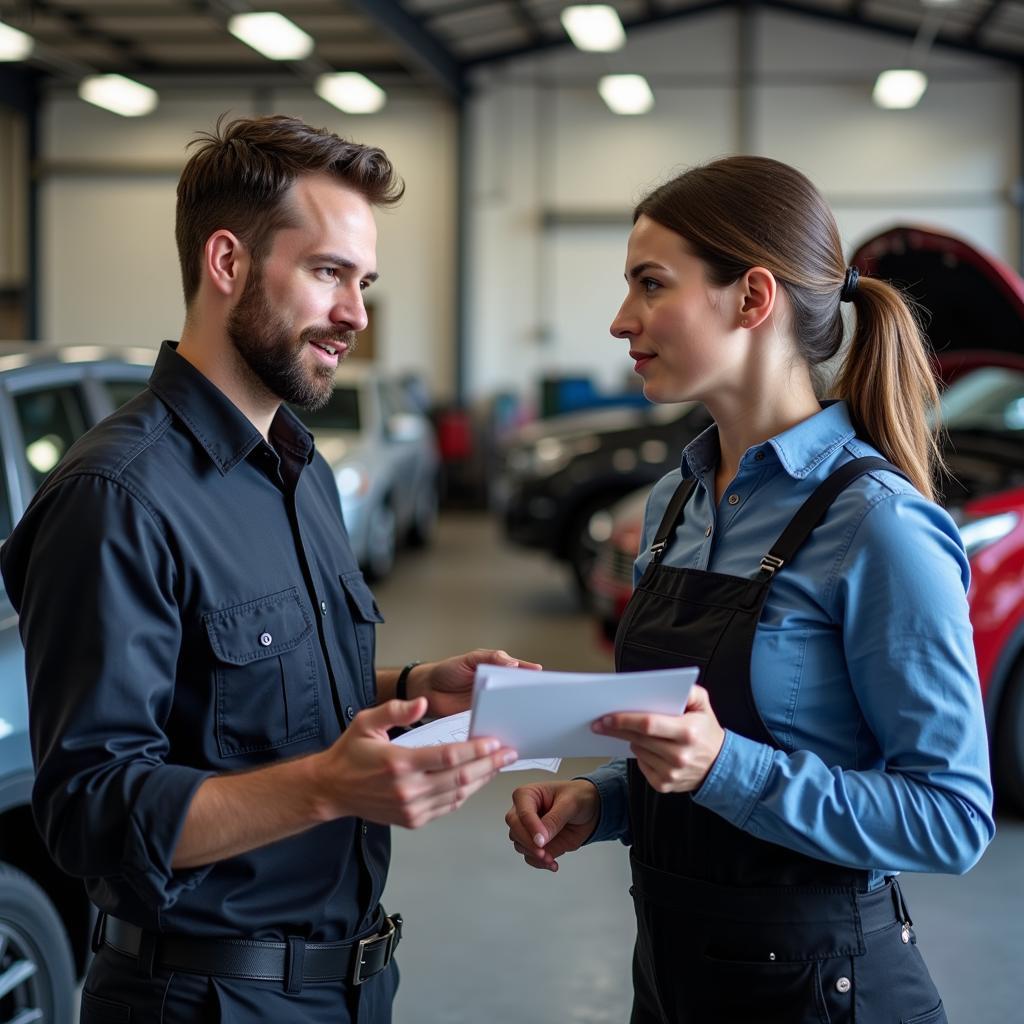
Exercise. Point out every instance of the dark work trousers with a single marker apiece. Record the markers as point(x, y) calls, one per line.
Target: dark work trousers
point(732, 929)
point(118, 991)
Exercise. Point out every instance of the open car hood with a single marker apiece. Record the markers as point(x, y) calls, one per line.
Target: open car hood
point(974, 301)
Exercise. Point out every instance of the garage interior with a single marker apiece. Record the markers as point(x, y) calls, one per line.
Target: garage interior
point(500, 272)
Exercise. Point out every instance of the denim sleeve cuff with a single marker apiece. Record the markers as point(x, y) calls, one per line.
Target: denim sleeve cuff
point(613, 792)
point(737, 779)
point(156, 822)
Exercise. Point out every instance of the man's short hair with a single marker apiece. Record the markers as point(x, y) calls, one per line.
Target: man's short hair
point(240, 173)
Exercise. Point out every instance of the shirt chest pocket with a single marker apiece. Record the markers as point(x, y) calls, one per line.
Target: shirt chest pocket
point(265, 674)
point(365, 616)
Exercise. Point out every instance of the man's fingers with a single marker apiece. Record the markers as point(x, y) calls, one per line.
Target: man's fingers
point(450, 755)
point(389, 714)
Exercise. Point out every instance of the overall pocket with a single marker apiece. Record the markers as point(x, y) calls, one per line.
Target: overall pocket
point(265, 673)
point(365, 616)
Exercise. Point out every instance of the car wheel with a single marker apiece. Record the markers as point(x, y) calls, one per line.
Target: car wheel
point(1009, 752)
point(37, 979)
point(381, 542)
point(424, 516)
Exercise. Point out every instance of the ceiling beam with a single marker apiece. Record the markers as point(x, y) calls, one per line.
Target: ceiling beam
point(901, 32)
point(983, 19)
point(527, 19)
point(847, 17)
point(419, 43)
point(81, 25)
point(653, 17)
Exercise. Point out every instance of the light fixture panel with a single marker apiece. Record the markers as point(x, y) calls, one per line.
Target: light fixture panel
point(626, 94)
point(118, 94)
point(271, 34)
point(594, 27)
point(14, 44)
point(899, 88)
point(351, 92)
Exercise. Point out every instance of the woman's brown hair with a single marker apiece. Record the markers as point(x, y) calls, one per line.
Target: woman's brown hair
point(745, 211)
point(240, 173)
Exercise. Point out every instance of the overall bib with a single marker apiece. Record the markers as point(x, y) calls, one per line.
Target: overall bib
point(732, 929)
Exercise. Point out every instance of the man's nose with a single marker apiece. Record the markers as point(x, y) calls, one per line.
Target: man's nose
point(350, 311)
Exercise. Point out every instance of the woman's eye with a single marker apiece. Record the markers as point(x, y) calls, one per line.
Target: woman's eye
point(649, 284)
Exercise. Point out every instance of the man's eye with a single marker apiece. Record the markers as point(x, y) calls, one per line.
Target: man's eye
point(363, 285)
point(330, 272)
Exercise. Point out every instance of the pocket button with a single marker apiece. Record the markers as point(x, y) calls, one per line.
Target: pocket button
point(266, 639)
point(843, 985)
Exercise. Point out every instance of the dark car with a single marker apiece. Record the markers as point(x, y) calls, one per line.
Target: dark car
point(556, 474)
point(48, 399)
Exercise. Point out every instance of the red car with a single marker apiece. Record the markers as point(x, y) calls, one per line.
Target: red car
point(983, 418)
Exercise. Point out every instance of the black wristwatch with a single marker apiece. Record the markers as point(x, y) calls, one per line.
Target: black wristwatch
point(402, 686)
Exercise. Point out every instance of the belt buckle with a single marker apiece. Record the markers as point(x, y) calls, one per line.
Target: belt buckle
point(357, 978)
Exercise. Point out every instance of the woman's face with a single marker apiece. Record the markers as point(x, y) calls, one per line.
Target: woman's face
point(683, 332)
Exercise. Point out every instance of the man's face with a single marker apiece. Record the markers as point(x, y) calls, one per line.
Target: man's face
point(301, 307)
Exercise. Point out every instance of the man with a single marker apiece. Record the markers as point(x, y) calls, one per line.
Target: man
point(210, 735)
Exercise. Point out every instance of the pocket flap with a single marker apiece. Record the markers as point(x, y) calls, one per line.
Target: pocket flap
point(361, 597)
point(258, 629)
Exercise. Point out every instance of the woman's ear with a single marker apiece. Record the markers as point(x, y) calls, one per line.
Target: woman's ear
point(225, 262)
point(758, 291)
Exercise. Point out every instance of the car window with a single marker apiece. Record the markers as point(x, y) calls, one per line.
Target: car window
point(340, 413)
point(121, 391)
point(987, 399)
point(51, 419)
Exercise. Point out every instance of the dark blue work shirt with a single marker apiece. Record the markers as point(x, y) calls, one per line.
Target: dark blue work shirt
point(190, 605)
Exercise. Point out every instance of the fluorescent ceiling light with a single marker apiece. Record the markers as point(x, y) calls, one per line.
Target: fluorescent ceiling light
point(899, 90)
point(14, 44)
point(116, 93)
point(350, 91)
point(272, 34)
point(626, 94)
point(594, 27)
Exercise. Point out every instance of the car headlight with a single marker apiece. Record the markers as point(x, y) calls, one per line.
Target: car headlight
point(352, 481)
point(978, 534)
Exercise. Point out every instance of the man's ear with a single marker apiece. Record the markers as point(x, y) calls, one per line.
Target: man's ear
point(759, 290)
point(226, 262)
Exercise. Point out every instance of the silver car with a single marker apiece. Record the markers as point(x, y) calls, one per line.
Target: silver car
point(384, 454)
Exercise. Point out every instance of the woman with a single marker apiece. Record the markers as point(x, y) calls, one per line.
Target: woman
point(798, 558)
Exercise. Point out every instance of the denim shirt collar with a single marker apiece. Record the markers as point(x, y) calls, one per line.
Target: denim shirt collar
point(798, 450)
point(218, 425)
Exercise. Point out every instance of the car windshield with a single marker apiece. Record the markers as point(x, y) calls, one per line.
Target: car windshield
point(340, 413)
point(989, 399)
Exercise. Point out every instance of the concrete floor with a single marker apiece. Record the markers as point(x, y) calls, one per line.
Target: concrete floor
point(488, 939)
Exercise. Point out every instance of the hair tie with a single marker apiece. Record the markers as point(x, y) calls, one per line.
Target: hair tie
point(849, 285)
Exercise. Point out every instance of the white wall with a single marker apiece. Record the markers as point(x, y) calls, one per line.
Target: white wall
point(541, 297)
point(109, 264)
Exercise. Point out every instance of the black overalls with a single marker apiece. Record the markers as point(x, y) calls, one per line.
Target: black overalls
point(732, 929)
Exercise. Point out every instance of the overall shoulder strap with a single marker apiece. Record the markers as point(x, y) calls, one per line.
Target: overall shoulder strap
point(813, 510)
point(672, 518)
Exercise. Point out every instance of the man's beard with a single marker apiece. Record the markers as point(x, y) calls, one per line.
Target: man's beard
point(274, 355)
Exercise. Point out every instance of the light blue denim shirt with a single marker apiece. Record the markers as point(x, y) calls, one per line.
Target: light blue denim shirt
point(862, 665)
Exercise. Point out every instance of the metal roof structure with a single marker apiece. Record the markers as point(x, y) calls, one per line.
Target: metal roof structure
point(426, 43)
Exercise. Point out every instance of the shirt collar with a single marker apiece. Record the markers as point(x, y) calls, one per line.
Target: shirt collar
point(220, 427)
point(799, 449)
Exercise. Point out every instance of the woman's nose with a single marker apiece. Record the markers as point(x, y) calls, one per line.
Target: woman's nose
point(624, 325)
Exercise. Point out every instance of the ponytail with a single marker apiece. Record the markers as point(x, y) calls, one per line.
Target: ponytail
point(888, 383)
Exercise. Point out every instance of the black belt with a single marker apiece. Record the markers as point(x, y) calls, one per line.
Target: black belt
point(291, 962)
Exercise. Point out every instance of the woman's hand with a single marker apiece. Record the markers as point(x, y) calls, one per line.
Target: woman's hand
point(675, 752)
point(549, 819)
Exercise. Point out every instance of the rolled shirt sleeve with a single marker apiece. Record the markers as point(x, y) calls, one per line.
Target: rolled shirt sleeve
point(95, 580)
point(921, 800)
point(613, 790)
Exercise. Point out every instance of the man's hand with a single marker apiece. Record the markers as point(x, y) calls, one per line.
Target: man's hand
point(549, 819)
point(365, 776)
point(675, 752)
point(448, 684)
